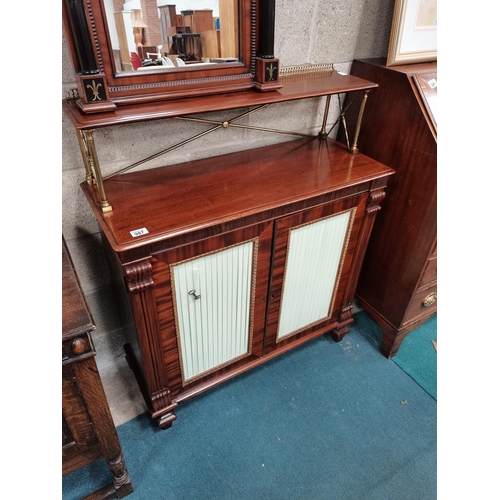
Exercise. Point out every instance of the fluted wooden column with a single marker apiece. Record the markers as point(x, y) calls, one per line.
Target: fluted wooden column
point(139, 279)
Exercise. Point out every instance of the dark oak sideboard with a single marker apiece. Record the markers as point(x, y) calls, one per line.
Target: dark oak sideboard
point(88, 431)
point(398, 281)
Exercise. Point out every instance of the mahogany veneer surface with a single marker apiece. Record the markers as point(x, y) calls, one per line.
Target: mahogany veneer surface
point(294, 87)
point(399, 271)
point(172, 200)
point(204, 206)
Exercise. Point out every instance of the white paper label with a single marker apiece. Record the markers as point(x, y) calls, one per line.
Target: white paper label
point(139, 232)
point(432, 83)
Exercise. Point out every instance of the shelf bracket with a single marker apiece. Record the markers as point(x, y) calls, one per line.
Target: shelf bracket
point(323, 134)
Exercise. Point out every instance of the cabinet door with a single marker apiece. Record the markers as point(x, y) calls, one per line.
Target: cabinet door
point(214, 315)
point(313, 257)
point(213, 307)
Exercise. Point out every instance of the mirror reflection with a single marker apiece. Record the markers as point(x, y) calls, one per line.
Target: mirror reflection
point(152, 35)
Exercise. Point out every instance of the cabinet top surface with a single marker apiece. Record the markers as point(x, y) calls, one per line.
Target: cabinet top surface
point(295, 87)
point(177, 199)
point(76, 317)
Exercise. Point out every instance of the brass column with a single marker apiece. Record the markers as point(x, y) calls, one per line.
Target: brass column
point(96, 170)
point(354, 148)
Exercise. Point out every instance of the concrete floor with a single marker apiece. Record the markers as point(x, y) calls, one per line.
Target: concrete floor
point(123, 394)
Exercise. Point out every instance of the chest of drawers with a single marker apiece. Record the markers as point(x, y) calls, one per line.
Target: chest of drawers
point(398, 283)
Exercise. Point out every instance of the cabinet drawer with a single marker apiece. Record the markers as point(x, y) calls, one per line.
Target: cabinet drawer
point(424, 301)
point(430, 273)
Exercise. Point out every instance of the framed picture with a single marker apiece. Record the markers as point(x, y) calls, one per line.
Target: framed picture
point(413, 33)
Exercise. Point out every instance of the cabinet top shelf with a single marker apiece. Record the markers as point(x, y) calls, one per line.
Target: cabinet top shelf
point(297, 86)
point(238, 188)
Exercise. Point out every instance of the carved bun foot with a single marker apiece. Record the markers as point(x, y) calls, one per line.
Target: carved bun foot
point(341, 329)
point(165, 421)
point(339, 333)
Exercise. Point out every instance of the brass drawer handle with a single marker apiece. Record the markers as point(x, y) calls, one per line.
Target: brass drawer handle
point(430, 299)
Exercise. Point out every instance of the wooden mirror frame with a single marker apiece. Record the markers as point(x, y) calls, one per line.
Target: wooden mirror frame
point(101, 88)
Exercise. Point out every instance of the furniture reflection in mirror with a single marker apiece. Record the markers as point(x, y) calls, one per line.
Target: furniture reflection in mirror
point(123, 22)
point(168, 26)
point(228, 20)
point(189, 46)
point(106, 79)
point(88, 431)
point(135, 60)
point(398, 283)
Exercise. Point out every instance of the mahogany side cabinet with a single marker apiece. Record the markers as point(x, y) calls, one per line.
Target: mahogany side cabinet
point(398, 282)
point(226, 262)
point(88, 431)
point(223, 263)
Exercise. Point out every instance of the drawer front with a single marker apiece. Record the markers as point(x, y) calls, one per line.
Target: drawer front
point(423, 302)
point(77, 432)
point(430, 273)
point(77, 348)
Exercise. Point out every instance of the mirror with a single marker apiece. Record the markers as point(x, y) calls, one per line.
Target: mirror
point(166, 37)
point(101, 38)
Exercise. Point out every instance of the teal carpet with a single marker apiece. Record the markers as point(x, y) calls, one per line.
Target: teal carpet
point(324, 421)
point(416, 355)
